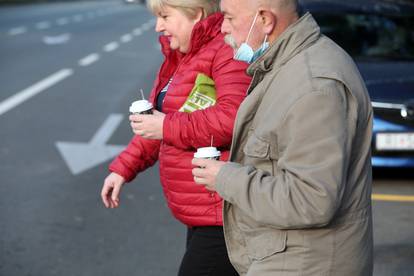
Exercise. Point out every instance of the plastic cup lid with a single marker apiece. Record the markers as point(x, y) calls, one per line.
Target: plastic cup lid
point(207, 152)
point(140, 106)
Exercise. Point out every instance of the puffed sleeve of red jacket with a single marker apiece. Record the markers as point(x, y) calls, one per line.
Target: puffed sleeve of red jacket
point(139, 155)
point(194, 130)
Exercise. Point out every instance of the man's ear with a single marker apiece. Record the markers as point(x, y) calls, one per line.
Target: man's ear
point(268, 20)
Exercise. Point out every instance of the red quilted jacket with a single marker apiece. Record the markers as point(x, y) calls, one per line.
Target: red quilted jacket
point(183, 132)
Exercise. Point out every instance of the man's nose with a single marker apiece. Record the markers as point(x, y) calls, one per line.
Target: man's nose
point(225, 27)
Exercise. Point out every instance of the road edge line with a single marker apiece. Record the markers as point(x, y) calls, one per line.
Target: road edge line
point(394, 198)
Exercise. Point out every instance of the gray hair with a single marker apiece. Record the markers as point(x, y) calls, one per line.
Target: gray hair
point(188, 7)
point(291, 5)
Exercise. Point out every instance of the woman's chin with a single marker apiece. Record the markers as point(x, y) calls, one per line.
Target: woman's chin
point(178, 48)
point(174, 46)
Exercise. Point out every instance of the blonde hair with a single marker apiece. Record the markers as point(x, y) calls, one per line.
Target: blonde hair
point(187, 7)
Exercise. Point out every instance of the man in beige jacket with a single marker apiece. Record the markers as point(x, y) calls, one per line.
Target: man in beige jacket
point(297, 190)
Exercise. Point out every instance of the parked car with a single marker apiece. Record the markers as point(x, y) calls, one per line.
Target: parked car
point(134, 1)
point(379, 35)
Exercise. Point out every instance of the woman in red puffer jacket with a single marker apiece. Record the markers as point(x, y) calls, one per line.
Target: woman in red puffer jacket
point(192, 45)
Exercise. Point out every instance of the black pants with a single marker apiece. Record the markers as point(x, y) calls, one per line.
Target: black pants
point(206, 253)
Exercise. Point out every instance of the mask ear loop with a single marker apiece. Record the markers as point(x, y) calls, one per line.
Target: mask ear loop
point(251, 27)
point(264, 42)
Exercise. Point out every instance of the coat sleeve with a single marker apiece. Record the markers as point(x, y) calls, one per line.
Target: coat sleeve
point(308, 180)
point(138, 155)
point(193, 130)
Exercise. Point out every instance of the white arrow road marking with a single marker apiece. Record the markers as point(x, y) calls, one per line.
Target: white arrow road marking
point(17, 31)
point(33, 90)
point(55, 40)
point(88, 60)
point(80, 157)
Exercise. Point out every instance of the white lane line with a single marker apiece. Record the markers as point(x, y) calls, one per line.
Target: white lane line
point(137, 32)
point(146, 26)
point(111, 47)
point(62, 21)
point(91, 15)
point(100, 13)
point(78, 18)
point(33, 90)
point(126, 38)
point(88, 60)
point(43, 25)
point(57, 39)
point(17, 30)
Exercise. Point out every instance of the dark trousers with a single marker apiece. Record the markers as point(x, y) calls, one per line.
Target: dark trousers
point(206, 253)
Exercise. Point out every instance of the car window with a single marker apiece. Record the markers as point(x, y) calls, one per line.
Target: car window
point(370, 36)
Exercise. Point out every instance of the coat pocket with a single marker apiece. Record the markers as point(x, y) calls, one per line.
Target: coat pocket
point(256, 147)
point(257, 154)
point(265, 243)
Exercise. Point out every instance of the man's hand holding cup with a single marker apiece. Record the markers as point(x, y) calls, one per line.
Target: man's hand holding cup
point(207, 167)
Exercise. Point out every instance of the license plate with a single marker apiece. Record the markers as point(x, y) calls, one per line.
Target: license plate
point(395, 141)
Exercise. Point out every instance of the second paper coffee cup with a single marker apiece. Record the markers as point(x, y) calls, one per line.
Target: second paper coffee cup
point(208, 153)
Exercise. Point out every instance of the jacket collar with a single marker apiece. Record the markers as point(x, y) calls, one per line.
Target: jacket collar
point(203, 32)
point(294, 39)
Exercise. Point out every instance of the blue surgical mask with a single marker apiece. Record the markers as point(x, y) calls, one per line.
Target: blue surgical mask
point(245, 52)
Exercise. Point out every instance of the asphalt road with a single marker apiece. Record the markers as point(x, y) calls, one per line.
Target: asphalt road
point(68, 74)
point(393, 222)
point(71, 80)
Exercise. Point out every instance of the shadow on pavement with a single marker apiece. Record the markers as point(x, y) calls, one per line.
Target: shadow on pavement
point(398, 263)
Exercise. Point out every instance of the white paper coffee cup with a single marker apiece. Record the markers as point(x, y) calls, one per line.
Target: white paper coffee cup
point(207, 153)
point(141, 107)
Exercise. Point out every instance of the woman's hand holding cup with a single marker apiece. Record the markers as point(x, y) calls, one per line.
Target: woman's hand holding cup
point(148, 126)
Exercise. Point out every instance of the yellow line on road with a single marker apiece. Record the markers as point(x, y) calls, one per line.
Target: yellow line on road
point(397, 198)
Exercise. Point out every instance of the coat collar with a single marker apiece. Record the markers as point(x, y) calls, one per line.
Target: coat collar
point(294, 39)
point(203, 32)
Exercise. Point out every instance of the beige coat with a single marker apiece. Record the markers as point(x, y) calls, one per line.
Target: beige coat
point(297, 192)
